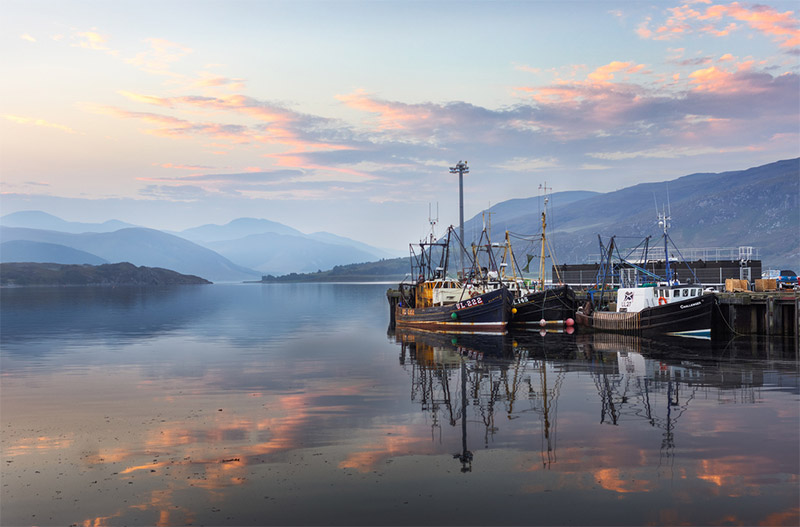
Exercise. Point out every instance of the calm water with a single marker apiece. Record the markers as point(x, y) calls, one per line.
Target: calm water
point(292, 405)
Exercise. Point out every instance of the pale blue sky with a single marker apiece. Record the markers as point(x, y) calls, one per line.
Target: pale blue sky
point(344, 116)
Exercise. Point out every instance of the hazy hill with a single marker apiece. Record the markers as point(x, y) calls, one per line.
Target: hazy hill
point(394, 269)
point(273, 253)
point(757, 207)
point(35, 219)
point(333, 239)
point(142, 247)
point(236, 229)
point(22, 274)
point(29, 251)
point(272, 247)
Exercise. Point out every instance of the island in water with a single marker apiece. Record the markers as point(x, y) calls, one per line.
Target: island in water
point(43, 274)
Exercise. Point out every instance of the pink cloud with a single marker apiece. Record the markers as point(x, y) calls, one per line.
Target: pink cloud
point(208, 80)
point(159, 58)
point(606, 73)
point(391, 115)
point(783, 27)
point(183, 167)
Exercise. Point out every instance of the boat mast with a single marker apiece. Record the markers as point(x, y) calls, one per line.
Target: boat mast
point(663, 221)
point(544, 225)
point(511, 257)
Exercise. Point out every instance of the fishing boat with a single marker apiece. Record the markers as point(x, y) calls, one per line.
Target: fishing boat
point(535, 304)
point(647, 303)
point(434, 301)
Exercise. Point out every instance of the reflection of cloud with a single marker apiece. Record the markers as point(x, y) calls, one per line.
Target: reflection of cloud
point(393, 441)
point(30, 445)
point(617, 480)
point(789, 518)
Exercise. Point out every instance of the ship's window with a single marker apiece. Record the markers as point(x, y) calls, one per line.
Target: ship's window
point(685, 292)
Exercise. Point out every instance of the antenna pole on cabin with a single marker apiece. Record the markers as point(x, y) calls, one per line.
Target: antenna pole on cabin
point(461, 168)
point(663, 221)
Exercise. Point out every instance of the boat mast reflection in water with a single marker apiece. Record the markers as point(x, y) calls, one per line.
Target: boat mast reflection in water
point(636, 380)
point(487, 370)
point(652, 382)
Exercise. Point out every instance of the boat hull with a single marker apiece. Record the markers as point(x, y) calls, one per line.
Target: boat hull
point(489, 312)
point(690, 317)
point(552, 305)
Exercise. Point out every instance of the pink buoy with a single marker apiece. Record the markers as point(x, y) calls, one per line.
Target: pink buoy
point(570, 322)
point(543, 322)
point(570, 330)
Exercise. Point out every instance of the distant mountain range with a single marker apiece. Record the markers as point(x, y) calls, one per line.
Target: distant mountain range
point(36, 219)
point(758, 207)
point(257, 246)
point(136, 245)
point(274, 248)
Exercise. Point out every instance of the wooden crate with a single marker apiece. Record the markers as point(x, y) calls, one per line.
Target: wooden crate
point(766, 284)
point(733, 285)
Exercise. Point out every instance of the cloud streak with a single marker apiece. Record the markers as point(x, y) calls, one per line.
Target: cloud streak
point(721, 20)
point(39, 122)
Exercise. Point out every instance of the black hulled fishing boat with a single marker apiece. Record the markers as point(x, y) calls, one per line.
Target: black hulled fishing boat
point(536, 304)
point(647, 303)
point(434, 301)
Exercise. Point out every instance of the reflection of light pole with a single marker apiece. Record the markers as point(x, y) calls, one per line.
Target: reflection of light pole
point(461, 168)
point(465, 456)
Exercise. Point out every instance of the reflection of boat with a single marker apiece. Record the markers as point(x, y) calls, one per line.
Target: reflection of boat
point(489, 372)
point(435, 302)
point(661, 305)
point(496, 386)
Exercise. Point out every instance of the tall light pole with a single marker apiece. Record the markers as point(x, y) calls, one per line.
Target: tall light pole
point(461, 168)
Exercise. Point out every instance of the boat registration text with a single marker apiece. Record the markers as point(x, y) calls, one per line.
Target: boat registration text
point(469, 303)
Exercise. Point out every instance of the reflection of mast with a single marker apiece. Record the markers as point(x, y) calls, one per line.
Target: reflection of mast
point(549, 401)
point(633, 390)
point(465, 456)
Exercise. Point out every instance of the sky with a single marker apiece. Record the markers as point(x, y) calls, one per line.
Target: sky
point(345, 116)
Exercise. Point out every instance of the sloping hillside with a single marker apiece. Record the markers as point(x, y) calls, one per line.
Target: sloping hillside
point(142, 247)
point(758, 207)
point(29, 251)
point(273, 253)
point(35, 219)
point(236, 229)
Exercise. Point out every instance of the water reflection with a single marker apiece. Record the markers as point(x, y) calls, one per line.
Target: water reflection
point(636, 382)
point(243, 405)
